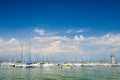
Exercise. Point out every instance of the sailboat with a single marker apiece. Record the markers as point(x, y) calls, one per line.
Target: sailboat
point(48, 64)
point(28, 63)
point(11, 64)
point(20, 64)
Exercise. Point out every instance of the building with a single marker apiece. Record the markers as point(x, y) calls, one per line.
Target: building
point(112, 59)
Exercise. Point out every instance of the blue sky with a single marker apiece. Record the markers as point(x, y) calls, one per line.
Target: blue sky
point(61, 25)
point(97, 16)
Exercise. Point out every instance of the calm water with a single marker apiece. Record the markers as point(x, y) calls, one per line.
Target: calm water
point(77, 73)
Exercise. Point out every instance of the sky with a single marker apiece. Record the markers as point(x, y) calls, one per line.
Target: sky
point(62, 29)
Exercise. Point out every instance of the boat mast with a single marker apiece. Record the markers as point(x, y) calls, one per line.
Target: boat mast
point(22, 59)
point(29, 55)
point(10, 54)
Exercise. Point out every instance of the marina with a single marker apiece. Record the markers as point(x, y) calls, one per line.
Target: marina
point(30, 64)
point(59, 39)
point(61, 65)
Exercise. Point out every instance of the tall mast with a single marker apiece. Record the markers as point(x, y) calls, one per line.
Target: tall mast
point(22, 59)
point(29, 49)
point(10, 54)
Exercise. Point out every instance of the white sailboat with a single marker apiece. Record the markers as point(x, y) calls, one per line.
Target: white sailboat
point(28, 63)
point(11, 64)
point(77, 64)
point(22, 64)
point(48, 65)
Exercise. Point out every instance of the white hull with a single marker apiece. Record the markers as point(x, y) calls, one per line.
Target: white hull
point(48, 65)
point(26, 65)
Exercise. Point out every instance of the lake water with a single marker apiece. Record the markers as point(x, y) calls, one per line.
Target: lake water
point(55, 73)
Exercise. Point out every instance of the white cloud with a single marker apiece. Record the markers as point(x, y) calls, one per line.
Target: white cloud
point(56, 45)
point(1, 41)
point(40, 31)
point(52, 48)
point(79, 31)
point(79, 38)
point(13, 41)
point(76, 37)
point(70, 31)
point(49, 38)
point(107, 39)
point(75, 31)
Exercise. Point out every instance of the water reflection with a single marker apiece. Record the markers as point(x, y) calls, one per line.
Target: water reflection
point(77, 73)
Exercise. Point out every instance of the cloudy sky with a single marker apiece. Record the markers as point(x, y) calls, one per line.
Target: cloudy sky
point(60, 30)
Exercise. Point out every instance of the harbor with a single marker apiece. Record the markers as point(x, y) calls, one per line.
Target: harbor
point(56, 73)
point(60, 70)
point(61, 64)
point(59, 39)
